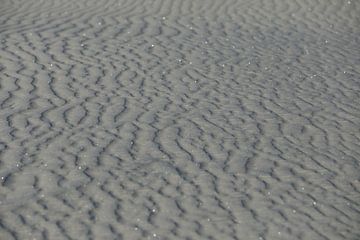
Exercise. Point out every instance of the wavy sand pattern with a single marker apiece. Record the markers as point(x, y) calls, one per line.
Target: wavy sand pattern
point(169, 119)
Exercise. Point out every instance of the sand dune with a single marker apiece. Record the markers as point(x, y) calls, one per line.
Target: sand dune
point(169, 119)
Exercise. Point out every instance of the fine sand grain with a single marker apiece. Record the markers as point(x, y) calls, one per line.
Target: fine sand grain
point(180, 119)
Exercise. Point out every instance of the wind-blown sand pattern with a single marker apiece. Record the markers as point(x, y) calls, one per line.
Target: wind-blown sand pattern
point(172, 119)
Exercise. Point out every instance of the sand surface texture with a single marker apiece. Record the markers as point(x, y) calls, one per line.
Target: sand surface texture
point(172, 119)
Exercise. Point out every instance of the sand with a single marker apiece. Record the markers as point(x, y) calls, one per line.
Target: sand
point(172, 119)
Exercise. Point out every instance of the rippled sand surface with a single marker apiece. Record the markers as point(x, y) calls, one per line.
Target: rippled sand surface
point(193, 119)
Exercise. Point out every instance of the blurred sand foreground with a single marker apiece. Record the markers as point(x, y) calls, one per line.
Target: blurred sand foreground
point(192, 119)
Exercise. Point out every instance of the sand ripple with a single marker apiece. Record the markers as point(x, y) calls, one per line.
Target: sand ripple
point(169, 119)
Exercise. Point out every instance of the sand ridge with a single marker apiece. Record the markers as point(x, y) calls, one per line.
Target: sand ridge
point(178, 119)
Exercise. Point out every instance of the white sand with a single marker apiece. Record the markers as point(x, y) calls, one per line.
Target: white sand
point(180, 119)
